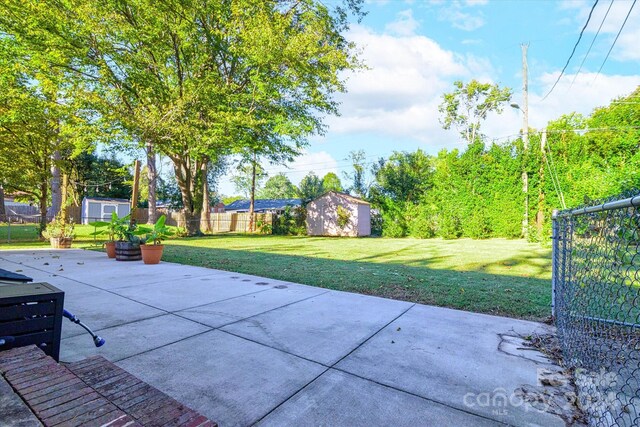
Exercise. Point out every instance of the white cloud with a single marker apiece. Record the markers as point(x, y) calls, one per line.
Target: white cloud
point(455, 14)
point(626, 48)
point(404, 25)
point(476, 2)
point(583, 97)
point(400, 93)
point(398, 97)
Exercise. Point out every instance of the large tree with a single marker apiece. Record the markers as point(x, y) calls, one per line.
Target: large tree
point(310, 188)
point(331, 182)
point(469, 105)
point(199, 79)
point(359, 186)
point(42, 125)
point(278, 187)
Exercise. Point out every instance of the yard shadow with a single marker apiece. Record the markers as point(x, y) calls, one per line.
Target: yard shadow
point(474, 290)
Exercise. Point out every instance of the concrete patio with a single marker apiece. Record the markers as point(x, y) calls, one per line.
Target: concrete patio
point(243, 350)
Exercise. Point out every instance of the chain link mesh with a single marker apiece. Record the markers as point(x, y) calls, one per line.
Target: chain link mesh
point(596, 275)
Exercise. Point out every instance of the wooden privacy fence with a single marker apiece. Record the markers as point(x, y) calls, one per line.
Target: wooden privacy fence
point(218, 222)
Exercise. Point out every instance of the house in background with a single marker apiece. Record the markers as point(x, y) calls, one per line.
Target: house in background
point(338, 214)
point(274, 206)
point(100, 208)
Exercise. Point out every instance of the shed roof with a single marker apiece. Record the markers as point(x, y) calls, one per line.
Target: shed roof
point(106, 199)
point(346, 196)
point(263, 204)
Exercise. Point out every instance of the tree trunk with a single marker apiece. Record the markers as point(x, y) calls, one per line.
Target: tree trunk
point(3, 211)
point(188, 175)
point(56, 195)
point(63, 198)
point(252, 198)
point(205, 225)
point(42, 200)
point(152, 174)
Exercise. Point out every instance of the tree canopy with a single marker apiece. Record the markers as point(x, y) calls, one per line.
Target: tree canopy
point(278, 187)
point(197, 79)
point(331, 182)
point(469, 104)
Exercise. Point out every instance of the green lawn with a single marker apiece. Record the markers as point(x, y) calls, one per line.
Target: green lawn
point(497, 276)
point(26, 235)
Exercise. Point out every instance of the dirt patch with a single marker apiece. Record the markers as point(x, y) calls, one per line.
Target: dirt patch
point(556, 391)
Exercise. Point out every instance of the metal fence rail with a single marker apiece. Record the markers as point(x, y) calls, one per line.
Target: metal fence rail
point(596, 302)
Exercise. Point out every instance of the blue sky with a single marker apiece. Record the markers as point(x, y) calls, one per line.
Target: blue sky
point(416, 49)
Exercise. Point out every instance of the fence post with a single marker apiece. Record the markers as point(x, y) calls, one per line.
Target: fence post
point(554, 260)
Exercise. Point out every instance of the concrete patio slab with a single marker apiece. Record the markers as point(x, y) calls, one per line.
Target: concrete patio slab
point(453, 357)
point(225, 378)
point(324, 328)
point(131, 338)
point(235, 309)
point(174, 295)
point(242, 349)
point(340, 399)
point(121, 309)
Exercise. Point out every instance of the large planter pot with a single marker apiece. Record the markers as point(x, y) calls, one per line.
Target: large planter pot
point(61, 242)
point(127, 251)
point(151, 254)
point(111, 249)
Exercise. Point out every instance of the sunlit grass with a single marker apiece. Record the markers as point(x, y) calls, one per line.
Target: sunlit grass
point(496, 276)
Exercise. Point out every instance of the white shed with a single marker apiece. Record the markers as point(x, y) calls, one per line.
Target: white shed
point(338, 214)
point(100, 208)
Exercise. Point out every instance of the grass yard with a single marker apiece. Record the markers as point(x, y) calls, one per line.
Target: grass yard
point(26, 235)
point(497, 276)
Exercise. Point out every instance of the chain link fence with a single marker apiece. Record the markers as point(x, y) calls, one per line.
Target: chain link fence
point(596, 301)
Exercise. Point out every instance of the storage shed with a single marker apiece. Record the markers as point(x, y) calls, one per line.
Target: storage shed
point(100, 208)
point(338, 214)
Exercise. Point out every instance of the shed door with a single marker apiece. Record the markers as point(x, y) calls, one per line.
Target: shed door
point(95, 212)
point(107, 210)
point(123, 209)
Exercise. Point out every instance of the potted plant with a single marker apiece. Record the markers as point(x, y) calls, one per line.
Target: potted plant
point(153, 247)
point(128, 243)
point(59, 232)
point(112, 229)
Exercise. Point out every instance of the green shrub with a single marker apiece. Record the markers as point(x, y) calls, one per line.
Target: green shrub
point(420, 221)
point(292, 222)
point(393, 226)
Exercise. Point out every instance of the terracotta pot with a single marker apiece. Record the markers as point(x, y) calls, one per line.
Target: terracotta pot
point(111, 249)
point(151, 254)
point(61, 242)
point(127, 251)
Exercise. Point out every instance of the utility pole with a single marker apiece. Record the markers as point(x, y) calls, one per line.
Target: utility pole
point(525, 138)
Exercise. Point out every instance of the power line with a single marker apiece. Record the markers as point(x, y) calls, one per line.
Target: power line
point(616, 39)
point(591, 45)
point(574, 49)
